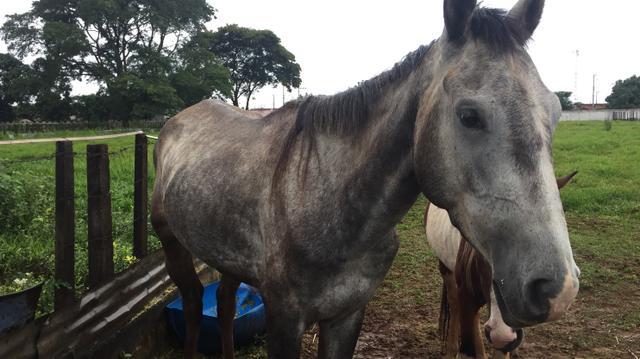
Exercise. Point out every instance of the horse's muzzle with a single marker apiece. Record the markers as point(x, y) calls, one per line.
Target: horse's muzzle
point(505, 347)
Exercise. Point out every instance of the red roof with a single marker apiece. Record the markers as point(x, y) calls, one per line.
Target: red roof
point(589, 107)
point(262, 111)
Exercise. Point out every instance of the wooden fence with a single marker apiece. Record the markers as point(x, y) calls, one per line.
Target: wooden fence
point(15, 127)
point(102, 322)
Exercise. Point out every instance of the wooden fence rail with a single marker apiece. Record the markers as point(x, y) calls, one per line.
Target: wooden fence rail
point(71, 126)
point(140, 194)
point(65, 227)
point(108, 318)
point(99, 221)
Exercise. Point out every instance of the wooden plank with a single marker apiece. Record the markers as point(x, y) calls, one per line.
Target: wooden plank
point(140, 197)
point(99, 215)
point(102, 321)
point(65, 226)
point(56, 139)
point(22, 343)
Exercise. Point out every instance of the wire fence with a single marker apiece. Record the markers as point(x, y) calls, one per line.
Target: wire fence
point(27, 186)
point(74, 126)
point(84, 155)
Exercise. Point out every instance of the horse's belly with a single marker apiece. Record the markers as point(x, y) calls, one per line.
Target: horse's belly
point(221, 229)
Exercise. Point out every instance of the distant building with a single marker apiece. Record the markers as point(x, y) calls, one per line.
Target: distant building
point(590, 107)
point(262, 111)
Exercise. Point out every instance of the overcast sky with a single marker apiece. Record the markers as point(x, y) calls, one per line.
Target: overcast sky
point(341, 42)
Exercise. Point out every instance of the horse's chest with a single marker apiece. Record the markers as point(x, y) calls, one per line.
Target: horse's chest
point(354, 282)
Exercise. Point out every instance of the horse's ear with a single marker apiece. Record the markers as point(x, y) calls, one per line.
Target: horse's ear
point(525, 17)
point(456, 17)
point(565, 180)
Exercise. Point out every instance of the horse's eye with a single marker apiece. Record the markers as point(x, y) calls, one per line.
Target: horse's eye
point(470, 118)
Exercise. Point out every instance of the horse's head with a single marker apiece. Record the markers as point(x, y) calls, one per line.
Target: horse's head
point(482, 150)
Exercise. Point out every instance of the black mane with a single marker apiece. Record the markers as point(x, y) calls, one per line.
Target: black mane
point(347, 112)
point(344, 113)
point(496, 29)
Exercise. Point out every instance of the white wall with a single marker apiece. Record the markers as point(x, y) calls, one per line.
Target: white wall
point(599, 115)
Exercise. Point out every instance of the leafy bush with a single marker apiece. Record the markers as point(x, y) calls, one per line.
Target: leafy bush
point(18, 205)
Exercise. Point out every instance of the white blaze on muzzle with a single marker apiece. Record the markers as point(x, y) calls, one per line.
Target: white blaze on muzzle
point(500, 333)
point(560, 304)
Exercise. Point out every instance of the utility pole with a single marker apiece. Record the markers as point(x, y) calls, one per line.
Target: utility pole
point(282, 95)
point(575, 80)
point(593, 93)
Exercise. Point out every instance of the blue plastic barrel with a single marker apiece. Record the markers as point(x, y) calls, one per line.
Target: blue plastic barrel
point(249, 321)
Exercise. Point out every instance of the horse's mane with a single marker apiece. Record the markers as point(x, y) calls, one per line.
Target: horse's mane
point(496, 29)
point(347, 112)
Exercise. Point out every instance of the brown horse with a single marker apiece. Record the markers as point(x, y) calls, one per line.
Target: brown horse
point(302, 203)
point(466, 288)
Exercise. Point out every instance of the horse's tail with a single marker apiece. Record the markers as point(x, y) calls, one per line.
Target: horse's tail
point(445, 316)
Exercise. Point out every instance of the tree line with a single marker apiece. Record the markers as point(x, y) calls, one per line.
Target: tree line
point(149, 58)
point(624, 95)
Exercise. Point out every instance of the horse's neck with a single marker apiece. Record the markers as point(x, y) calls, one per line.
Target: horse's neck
point(381, 156)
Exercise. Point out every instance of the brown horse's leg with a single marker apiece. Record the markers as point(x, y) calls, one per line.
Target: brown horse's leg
point(477, 336)
point(471, 343)
point(226, 296)
point(338, 337)
point(449, 325)
point(179, 264)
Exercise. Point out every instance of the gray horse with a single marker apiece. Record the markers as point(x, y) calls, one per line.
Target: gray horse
point(302, 203)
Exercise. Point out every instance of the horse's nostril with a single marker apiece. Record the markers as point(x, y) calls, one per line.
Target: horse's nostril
point(538, 293)
point(487, 333)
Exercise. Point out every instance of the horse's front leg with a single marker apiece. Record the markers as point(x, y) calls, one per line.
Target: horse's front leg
point(471, 344)
point(338, 337)
point(285, 328)
point(449, 323)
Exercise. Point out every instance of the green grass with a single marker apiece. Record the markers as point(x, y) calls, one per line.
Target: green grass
point(603, 203)
point(27, 209)
point(60, 133)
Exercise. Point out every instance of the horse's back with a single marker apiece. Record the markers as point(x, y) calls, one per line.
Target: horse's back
point(444, 239)
point(208, 121)
point(212, 170)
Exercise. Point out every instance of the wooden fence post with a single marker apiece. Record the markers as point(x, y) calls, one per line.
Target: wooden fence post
point(99, 215)
point(140, 197)
point(64, 292)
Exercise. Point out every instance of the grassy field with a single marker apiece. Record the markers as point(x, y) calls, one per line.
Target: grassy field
point(27, 209)
point(602, 207)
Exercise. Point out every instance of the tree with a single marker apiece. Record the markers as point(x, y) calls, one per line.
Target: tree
point(17, 85)
point(565, 101)
point(113, 34)
point(254, 58)
point(198, 73)
point(625, 93)
point(131, 48)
